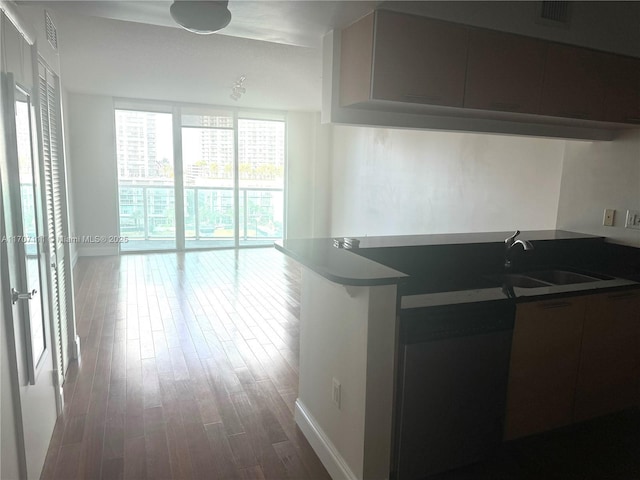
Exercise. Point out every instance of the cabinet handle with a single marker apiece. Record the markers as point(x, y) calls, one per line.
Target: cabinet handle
point(620, 296)
point(511, 107)
point(425, 98)
point(547, 306)
point(574, 114)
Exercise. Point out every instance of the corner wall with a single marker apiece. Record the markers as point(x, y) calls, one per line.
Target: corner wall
point(92, 170)
point(599, 175)
point(308, 176)
point(394, 182)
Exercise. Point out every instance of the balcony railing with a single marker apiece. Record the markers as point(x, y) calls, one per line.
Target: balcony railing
point(147, 212)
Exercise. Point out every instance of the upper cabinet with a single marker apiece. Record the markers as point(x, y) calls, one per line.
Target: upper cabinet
point(504, 72)
point(573, 83)
point(622, 89)
point(458, 77)
point(392, 56)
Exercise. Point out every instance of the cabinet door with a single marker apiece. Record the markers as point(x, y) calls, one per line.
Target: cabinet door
point(545, 355)
point(504, 72)
point(419, 60)
point(573, 83)
point(609, 362)
point(356, 53)
point(622, 96)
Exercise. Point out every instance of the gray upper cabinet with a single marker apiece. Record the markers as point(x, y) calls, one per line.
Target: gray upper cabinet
point(573, 83)
point(405, 58)
point(622, 89)
point(405, 63)
point(504, 72)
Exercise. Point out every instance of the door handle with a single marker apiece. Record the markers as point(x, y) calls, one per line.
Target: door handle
point(15, 295)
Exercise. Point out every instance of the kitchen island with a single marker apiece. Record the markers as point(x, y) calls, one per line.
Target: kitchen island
point(351, 324)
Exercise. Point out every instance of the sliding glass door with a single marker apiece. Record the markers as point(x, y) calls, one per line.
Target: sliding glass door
point(261, 180)
point(146, 192)
point(208, 153)
point(229, 182)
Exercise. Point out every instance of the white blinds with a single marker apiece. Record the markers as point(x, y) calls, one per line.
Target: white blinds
point(55, 200)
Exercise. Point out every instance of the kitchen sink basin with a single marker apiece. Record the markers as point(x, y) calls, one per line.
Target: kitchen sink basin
point(516, 280)
point(562, 277)
point(545, 278)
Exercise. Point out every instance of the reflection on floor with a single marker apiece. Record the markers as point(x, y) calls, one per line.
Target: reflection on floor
point(189, 370)
point(158, 245)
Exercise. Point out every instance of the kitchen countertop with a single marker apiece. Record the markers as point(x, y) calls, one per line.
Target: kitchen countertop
point(465, 238)
point(338, 264)
point(346, 267)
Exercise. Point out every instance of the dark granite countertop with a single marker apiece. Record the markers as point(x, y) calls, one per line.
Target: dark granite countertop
point(465, 238)
point(338, 264)
point(364, 266)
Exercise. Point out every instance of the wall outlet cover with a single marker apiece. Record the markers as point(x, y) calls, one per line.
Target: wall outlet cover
point(609, 214)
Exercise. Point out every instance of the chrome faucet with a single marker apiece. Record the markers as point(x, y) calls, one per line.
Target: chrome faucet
point(512, 242)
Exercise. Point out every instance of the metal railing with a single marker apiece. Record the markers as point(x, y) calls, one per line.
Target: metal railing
point(147, 212)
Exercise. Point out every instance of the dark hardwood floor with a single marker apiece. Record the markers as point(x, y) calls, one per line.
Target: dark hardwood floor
point(189, 369)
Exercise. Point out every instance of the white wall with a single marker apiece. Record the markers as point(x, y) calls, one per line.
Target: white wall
point(347, 335)
point(599, 175)
point(34, 15)
point(127, 59)
point(92, 170)
point(308, 164)
point(388, 181)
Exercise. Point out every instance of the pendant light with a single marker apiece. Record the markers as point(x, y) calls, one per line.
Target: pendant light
point(201, 16)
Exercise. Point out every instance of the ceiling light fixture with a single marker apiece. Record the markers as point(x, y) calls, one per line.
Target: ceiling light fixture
point(237, 90)
point(201, 16)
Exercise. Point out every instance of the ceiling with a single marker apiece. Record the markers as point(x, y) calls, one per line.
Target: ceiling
point(134, 49)
point(300, 23)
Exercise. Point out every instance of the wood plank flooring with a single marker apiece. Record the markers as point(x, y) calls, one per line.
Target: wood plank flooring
point(189, 369)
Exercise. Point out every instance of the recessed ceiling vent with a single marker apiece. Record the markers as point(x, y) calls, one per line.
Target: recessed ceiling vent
point(52, 33)
point(555, 12)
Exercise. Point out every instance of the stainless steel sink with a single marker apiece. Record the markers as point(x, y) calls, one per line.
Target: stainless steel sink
point(516, 280)
point(562, 277)
point(545, 278)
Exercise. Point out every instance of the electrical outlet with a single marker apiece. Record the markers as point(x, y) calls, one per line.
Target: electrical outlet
point(609, 214)
point(633, 219)
point(336, 392)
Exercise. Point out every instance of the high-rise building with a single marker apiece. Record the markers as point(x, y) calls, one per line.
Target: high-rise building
point(137, 147)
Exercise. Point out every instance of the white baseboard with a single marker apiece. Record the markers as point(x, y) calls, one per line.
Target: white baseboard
point(97, 251)
point(324, 448)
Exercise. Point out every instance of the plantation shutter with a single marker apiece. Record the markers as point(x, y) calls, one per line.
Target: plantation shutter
point(55, 199)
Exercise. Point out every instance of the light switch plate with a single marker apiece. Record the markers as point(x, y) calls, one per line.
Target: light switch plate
point(336, 392)
point(609, 214)
point(633, 219)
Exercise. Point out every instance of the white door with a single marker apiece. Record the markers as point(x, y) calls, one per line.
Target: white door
point(28, 330)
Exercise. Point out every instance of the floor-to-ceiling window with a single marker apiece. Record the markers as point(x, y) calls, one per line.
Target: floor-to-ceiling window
point(227, 187)
point(146, 194)
point(208, 158)
point(260, 180)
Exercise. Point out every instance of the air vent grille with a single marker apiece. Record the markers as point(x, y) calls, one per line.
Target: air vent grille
point(52, 33)
point(555, 11)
